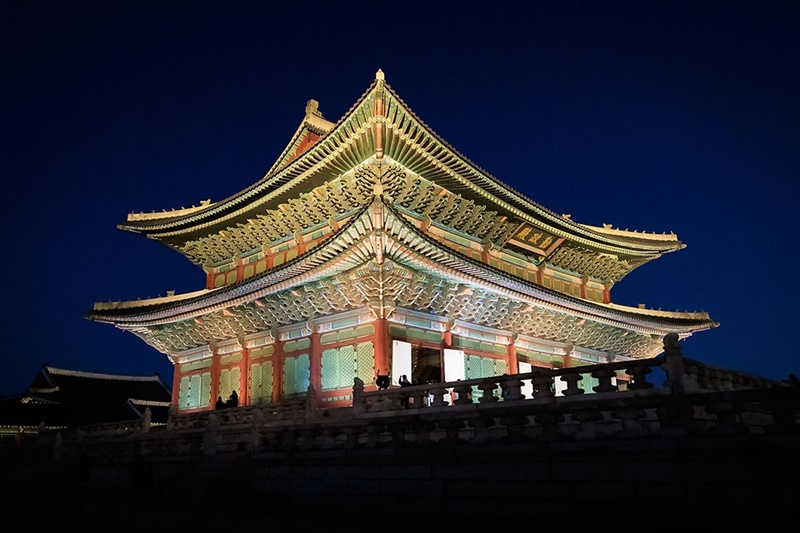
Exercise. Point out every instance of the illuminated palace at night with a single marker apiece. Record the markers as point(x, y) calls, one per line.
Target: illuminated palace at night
point(372, 246)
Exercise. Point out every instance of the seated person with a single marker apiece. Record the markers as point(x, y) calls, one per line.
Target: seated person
point(233, 401)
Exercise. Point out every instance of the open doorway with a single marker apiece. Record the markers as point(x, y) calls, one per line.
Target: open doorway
point(419, 363)
point(426, 365)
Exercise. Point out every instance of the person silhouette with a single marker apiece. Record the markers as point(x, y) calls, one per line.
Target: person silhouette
point(233, 401)
point(403, 382)
point(220, 404)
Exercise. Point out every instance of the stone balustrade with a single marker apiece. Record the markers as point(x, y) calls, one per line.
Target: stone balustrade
point(669, 433)
point(664, 396)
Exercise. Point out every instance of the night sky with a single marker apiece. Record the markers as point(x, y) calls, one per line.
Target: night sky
point(672, 116)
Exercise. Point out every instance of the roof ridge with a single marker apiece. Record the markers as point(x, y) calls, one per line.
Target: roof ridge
point(100, 375)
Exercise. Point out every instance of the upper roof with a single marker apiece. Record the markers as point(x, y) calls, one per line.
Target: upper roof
point(380, 126)
point(59, 397)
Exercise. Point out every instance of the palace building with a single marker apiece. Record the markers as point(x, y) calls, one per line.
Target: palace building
point(373, 247)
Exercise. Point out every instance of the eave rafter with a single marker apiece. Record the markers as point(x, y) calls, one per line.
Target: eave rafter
point(414, 272)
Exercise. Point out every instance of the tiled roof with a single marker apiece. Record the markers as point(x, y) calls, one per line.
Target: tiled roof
point(409, 141)
point(59, 397)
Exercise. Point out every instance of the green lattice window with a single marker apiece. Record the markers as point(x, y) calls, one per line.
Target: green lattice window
point(296, 374)
point(476, 367)
point(229, 381)
point(261, 382)
point(341, 365)
point(195, 391)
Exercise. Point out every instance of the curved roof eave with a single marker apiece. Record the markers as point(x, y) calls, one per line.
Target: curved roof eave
point(478, 182)
point(302, 269)
point(328, 259)
point(277, 180)
point(542, 295)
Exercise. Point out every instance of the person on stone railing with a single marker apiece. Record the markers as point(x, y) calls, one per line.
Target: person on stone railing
point(233, 401)
point(220, 403)
point(404, 382)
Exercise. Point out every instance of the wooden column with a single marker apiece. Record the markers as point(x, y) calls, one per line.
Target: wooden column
point(382, 346)
point(277, 371)
point(176, 384)
point(447, 338)
point(315, 360)
point(245, 372)
point(215, 377)
point(511, 355)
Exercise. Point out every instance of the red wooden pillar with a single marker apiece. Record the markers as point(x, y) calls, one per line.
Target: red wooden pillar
point(447, 338)
point(315, 360)
point(176, 384)
point(382, 347)
point(245, 373)
point(215, 377)
point(511, 355)
point(277, 371)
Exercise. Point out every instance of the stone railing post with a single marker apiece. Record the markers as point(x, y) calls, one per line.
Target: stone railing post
point(727, 413)
point(58, 447)
point(543, 386)
point(784, 415)
point(639, 372)
point(419, 399)
point(511, 388)
point(674, 365)
point(549, 423)
point(571, 380)
point(463, 394)
point(487, 387)
point(173, 412)
point(311, 403)
point(210, 435)
point(146, 420)
point(358, 389)
point(587, 418)
point(604, 379)
point(437, 394)
point(255, 435)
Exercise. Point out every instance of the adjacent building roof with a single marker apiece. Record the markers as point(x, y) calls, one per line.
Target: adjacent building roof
point(62, 398)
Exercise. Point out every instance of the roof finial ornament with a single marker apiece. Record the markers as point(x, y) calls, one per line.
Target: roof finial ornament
point(379, 75)
point(312, 108)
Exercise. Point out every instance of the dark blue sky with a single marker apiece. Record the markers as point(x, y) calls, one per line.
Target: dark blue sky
point(655, 116)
